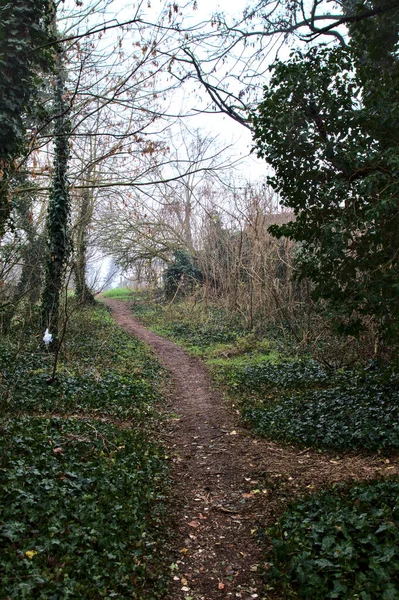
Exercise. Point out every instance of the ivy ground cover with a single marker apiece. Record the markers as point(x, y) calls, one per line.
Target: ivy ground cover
point(343, 543)
point(297, 401)
point(81, 486)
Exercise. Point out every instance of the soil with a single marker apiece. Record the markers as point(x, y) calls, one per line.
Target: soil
point(228, 484)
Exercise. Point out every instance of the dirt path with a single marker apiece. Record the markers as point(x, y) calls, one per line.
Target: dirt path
point(227, 483)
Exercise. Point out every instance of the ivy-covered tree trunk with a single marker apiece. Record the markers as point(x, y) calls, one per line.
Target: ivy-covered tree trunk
point(58, 213)
point(32, 251)
point(25, 33)
point(83, 292)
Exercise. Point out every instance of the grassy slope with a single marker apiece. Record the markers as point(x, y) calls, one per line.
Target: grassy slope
point(81, 485)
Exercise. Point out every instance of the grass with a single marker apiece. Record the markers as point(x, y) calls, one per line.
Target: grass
point(81, 485)
point(120, 293)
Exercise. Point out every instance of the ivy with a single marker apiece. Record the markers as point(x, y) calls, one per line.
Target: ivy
point(58, 212)
point(24, 55)
point(341, 543)
point(297, 401)
point(82, 496)
point(75, 498)
point(181, 274)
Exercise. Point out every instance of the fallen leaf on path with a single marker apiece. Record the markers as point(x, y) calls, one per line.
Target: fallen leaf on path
point(254, 568)
point(194, 524)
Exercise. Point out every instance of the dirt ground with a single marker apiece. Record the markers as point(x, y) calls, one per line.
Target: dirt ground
point(227, 483)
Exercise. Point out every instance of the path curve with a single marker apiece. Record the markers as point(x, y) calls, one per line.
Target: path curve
point(227, 483)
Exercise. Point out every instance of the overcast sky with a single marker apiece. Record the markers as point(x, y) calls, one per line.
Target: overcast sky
point(229, 131)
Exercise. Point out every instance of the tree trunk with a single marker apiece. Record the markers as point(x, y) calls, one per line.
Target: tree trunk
point(83, 292)
point(57, 223)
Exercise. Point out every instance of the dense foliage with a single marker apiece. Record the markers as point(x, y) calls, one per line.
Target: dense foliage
point(24, 32)
point(181, 274)
point(341, 543)
point(81, 484)
point(328, 125)
point(351, 410)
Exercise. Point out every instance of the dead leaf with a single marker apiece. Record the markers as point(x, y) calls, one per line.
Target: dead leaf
point(194, 524)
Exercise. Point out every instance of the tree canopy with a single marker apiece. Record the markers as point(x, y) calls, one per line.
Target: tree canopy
point(25, 29)
point(328, 125)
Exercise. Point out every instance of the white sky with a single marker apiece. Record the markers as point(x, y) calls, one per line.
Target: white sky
point(228, 131)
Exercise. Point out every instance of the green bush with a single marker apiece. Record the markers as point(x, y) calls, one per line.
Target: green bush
point(181, 275)
point(341, 543)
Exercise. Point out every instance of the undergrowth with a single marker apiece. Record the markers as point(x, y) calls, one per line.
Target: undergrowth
point(341, 543)
point(284, 395)
point(301, 403)
point(81, 485)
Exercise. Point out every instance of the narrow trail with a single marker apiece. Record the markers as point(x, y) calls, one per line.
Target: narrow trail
point(227, 483)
